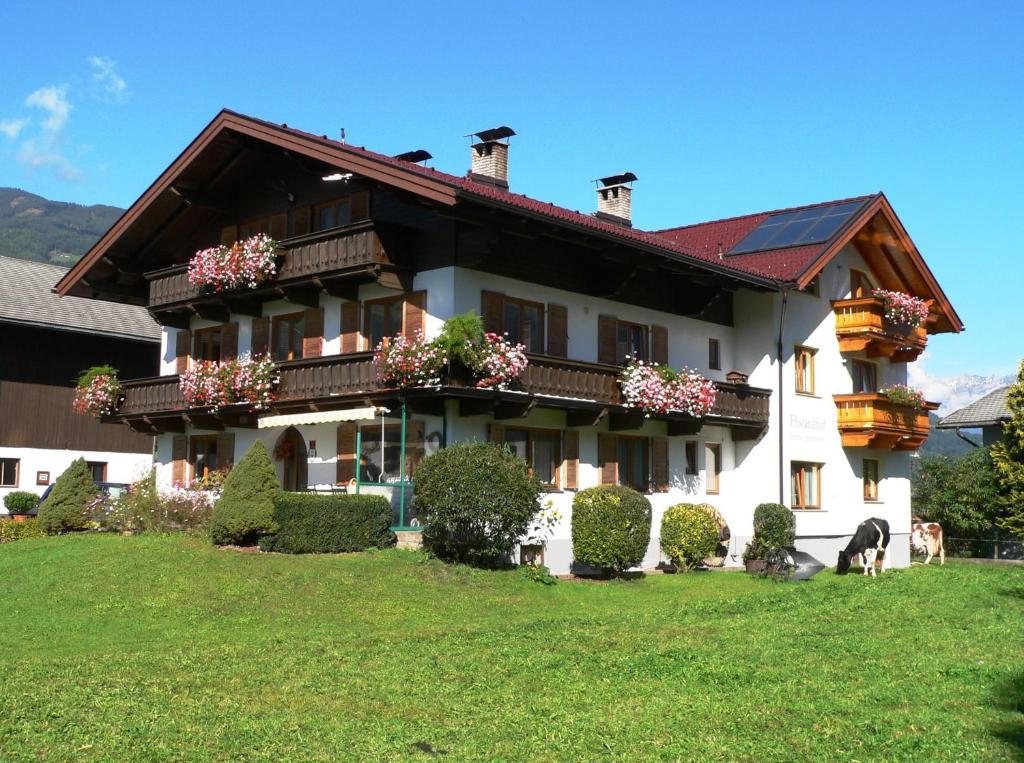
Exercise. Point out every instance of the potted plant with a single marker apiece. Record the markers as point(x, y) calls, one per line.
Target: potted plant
point(245, 264)
point(903, 311)
point(98, 392)
point(20, 504)
point(659, 388)
point(774, 528)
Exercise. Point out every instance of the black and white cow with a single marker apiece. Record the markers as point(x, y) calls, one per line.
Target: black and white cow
point(871, 537)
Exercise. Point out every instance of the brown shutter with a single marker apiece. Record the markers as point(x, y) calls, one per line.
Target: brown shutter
point(229, 234)
point(415, 307)
point(492, 310)
point(558, 331)
point(359, 207)
point(182, 345)
point(571, 449)
point(225, 450)
point(300, 221)
point(229, 341)
point(179, 458)
point(606, 328)
point(279, 226)
point(413, 446)
point(260, 335)
point(606, 459)
point(346, 469)
point(313, 333)
point(659, 344)
point(659, 464)
point(350, 326)
point(496, 433)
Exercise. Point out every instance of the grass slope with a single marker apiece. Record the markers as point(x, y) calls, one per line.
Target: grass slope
point(162, 648)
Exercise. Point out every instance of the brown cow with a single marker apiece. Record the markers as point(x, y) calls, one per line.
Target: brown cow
point(926, 538)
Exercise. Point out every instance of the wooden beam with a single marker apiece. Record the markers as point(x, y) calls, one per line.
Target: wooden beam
point(401, 280)
point(345, 288)
point(427, 406)
point(683, 428)
point(585, 418)
point(476, 406)
point(140, 426)
point(243, 306)
point(618, 422)
point(307, 296)
point(210, 311)
point(166, 423)
point(744, 434)
point(171, 318)
point(509, 409)
point(205, 421)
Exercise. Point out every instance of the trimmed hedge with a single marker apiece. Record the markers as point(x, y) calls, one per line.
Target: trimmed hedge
point(11, 531)
point(245, 509)
point(611, 527)
point(65, 508)
point(329, 524)
point(774, 525)
point(20, 502)
point(689, 534)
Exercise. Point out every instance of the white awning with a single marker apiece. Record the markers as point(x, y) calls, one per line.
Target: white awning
point(322, 417)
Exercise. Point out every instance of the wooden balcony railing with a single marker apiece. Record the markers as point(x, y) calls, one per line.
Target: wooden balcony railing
point(869, 419)
point(321, 255)
point(340, 379)
point(861, 325)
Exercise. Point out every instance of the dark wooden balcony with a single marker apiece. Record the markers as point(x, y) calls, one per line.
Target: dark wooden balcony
point(871, 420)
point(335, 261)
point(861, 325)
point(587, 391)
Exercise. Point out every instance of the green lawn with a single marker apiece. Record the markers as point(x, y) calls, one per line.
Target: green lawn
point(162, 648)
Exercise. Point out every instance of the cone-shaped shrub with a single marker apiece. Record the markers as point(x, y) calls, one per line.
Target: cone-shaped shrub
point(245, 510)
point(611, 527)
point(689, 534)
point(64, 509)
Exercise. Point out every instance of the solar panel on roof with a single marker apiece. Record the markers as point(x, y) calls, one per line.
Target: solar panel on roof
point(815, 225)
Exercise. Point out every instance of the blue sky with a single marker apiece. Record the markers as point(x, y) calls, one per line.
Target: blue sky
point(719, 108)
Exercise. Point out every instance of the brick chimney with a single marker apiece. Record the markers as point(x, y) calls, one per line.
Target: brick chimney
point(490, 156)
point(614, 204)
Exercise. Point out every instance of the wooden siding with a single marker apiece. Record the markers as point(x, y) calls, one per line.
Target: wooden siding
point(40, 416)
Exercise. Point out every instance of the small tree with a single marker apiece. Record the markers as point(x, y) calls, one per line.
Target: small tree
point(611, 527)
point(774, 527)
point(246, 506)
point(1008, 457)
point(476, 501)
point(689, 535)
point(962, 494)
point(65, 508)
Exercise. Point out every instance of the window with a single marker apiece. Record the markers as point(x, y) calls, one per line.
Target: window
point(207, 343)
point(804, 370)
point(630, 339)
point(343, 211)
point(539, 448)
point(631, 456)
point(869, 474)
point(383, 318)
point(691, 456)
point(203, 456)
point(252, 227)
point(288, 331)
point(805, 485)
point(864, 375)
point(9, 472)
point(98, 470)
point(524, 323)
point(860, 285)
point(380, 457)
point(714, 355)
point(713, 466)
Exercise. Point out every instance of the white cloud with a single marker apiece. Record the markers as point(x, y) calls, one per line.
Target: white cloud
point(105, 75)
point(44, 152)
point(53, 99)
point(953, 392)
point(11, 127)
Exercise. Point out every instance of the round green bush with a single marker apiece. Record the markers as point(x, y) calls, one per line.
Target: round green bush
point(689, 534)
point(611, 527)
point(245, 509)
point(476, 501)
point(20, 502)
point(774, 526)
point(66, 507)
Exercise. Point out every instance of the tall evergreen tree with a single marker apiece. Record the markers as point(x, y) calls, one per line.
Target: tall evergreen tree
point(245, 509)
point(64, 509)
point(1008, 457)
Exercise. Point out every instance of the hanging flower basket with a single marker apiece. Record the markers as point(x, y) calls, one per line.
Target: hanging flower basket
point(244, 265)
point(902, 309)
point(657, 388)
point(497, 361)
point(216, 385)
point(98, 392)
point(409, 362)
point(901, 394)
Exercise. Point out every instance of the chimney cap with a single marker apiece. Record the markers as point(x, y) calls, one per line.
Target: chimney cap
point(625, 177)
point(495, 133)
point(415, 156)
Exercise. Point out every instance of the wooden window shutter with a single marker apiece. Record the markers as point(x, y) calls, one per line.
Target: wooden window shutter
point(313, 334)
point(659, 464)
point(260, 336)
point(413, 445)
point(492, 310)
point(359, 207)
point(179, 459)
point(350, 326)
point(279, 226)
point(300, 221)
point(346, 469)
point(558, 331)
point(659, 344)
point(571, 458)
point(606, 459)
point(225, 450)
point(415, 307)
point(229, 341)
point(496, 433)
point(229, 234)
point(606, 340)
point(182, 346)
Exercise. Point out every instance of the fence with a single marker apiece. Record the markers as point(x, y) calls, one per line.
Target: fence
point(998, 547)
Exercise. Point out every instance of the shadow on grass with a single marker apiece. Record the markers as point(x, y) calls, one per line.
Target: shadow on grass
point(1010, 697)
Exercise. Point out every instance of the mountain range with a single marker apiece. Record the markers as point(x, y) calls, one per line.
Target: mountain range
point(57, 232)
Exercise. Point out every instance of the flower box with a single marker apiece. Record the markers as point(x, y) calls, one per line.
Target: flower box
point(244, 265)
point(409, 362)
point(247, 380)
point(655, 388)
point(98, 392)
point(903, 310)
